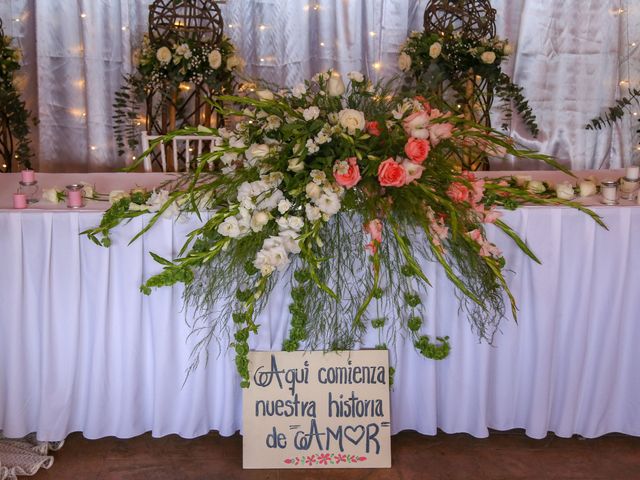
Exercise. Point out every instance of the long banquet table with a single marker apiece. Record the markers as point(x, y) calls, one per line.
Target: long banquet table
point(81, 349)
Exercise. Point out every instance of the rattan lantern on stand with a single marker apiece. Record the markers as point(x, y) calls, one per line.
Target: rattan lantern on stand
point(473, 20)
point(174, 22)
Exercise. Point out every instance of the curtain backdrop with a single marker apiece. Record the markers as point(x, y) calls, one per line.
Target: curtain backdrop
point(571, 57)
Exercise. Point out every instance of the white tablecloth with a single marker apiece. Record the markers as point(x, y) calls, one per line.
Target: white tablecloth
point(82, 350)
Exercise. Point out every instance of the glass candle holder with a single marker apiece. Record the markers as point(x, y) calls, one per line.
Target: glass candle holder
point(31, 190)
point(74, 196)
point(629, 187)
point(609, 192)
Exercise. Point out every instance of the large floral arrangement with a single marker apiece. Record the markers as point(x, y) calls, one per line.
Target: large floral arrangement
point(347, 191)
point(14, 116)
point(434, 58)
point(162, 67)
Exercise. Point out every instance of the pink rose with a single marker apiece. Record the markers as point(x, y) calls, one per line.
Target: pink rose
point(417, 149)
point(373, 128)
point(391, 174)
point(458, 192)
point(414, 171)
point(415, 121)
point(346, 172)
point(439, 131)
point(374, 228)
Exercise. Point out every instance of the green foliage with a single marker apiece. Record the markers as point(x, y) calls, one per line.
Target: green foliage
point(617, 112)
point(15, 119)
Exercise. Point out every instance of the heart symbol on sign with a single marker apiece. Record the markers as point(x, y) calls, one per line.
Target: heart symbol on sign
point(354, 437)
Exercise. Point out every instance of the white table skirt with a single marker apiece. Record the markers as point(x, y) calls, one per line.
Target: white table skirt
point(82, 350)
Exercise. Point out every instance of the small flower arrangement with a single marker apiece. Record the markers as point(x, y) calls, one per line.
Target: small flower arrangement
point(162, 68)
point(14, 115)
point(346, 190)
point(168, 65)
point(433, 58)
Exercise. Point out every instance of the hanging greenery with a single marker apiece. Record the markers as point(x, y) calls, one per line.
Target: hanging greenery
point(14, 116)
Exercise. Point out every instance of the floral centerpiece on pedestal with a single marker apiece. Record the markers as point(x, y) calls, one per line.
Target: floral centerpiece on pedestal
point(165, 68)
point(470, 68)
point(349, 190)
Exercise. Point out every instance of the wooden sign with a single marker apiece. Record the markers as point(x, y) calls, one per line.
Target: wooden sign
point(317, 410)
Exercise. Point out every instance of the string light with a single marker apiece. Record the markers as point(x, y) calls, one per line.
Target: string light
point(322, 44)
point(262, 27)
point(83, 15)
point(372, 34)
point(94, 148)
point(377, 66)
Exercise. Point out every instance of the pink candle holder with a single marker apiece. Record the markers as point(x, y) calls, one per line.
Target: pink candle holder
point(28, 177)
point(19, 200)
point(74, 196)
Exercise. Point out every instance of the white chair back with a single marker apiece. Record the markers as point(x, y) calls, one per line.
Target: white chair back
point(182, 147)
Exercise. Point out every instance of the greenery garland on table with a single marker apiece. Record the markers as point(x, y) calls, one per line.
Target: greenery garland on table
point(161, 68)
point(349, 189)
point(14, 116)
point(433, 58)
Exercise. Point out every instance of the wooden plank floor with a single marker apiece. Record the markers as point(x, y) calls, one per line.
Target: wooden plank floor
point(509, 456)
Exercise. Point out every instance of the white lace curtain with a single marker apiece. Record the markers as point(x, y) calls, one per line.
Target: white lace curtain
point(571, 57)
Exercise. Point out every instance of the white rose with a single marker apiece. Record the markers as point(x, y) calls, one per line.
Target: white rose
point(235, 61)
point(313, 190)
point(258, 220)
point(351, 120)
point(163, 55)
point(116, 195)
point(335, 85)
point(333, 118)
point(51, 195)
point(404, 62)
point(229, 228)
point(87, 190)
point(535, 186)
point(296, 223)
point(355, 76)
point(135, 57)
point(564, 191)
point(587, 188)
point(299, 90)
point(435, 49)
point(295, 165)
point(138, 208)
point(265, 94)
point(284, 205)
point(521, 180)
point(313, 213)
point(215, 59)
point(488, 57)
point(311, 113)
point(508, 49)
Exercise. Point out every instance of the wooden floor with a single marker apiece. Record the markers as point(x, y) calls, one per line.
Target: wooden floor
point(508, 455)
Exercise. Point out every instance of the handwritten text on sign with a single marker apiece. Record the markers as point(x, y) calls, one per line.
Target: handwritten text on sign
point(317, 410)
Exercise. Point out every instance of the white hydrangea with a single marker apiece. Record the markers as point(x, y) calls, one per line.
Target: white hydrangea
point(269, 200)
point(290, 241)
